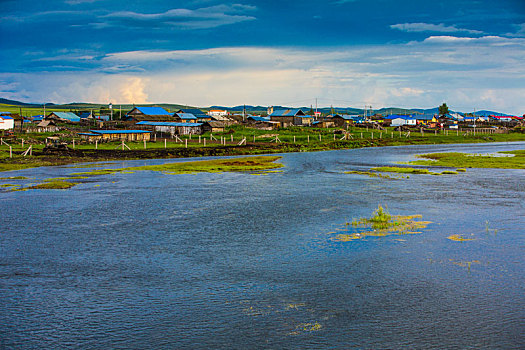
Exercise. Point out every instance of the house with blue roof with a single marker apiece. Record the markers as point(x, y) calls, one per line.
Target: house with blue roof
point(399, 120)
point(289, 117)
point(65, 117)
point(185, 117)
point(173, 128)
point(157, 114)
point(6, 122)
point(116, 135)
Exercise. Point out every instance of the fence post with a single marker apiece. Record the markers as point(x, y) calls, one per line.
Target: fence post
point(186, 143)
point(294, 138)
point(96, 144)
point(165, 143)
point(308, 138)
point(319, 137)
point(204, 142)
point(73, 143)
point(10, 152)
point(144, 143)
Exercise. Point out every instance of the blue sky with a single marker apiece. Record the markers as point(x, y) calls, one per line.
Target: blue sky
point(407, 53)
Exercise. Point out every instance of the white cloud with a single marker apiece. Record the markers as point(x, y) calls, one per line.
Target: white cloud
point(467, 73)
point(202, 18)
point(429, 27)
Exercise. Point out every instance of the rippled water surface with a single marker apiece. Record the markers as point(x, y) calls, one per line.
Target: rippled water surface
point(237, 260)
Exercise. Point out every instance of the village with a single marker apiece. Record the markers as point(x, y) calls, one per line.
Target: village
point(142, 124)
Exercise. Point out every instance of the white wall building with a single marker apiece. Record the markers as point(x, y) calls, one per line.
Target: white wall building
point(6, 122)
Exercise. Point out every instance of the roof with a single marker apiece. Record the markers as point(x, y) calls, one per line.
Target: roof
point(193, 111)
point(72, 117)
point(119, 131)
point(287, 113)
point(396, 116)
point(88, 134)
point(4, 113)
point(348, 116)
point(5, 117)
point(259, 119)
point(185, 116)
point(86, 115)
point(153, 110)
point(168, 124)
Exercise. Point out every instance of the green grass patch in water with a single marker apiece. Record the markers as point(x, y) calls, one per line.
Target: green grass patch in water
point(382, 223)
point(51, 185)
point(464, 160)
point(459, 238)
point(257, 163)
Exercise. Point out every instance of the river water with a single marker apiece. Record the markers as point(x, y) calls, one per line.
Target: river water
point(244, 261)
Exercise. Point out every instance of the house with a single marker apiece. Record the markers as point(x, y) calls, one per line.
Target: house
point(196, 112)
point(217, 113)
point(157, 114)
point(345, 119)
point(173, 128)
point(64, 117)
point(87, 115)
point(323, 124)
point(185, 117)
point(42, 126)
point(213, 126)
point(289, 117)
point(503, 118)
point(398, 120)
point(6, 122)
point(117, 135)
point(256, 118)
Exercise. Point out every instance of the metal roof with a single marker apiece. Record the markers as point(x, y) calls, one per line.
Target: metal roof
point(259, 119)
point(168, 124)
point(119, 131)
point(193, 111)
point(185, 116)
point(153, 110)
point(286, 113)
point(5, 117)
point(68, 116)
point(396, 116)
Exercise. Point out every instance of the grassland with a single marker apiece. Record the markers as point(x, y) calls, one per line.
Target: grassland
point(502, 160)
point(292, 139)
point(381, 224)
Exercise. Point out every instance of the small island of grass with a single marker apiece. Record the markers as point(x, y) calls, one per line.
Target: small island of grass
point(257, 163)
point(381, 223)
point(459, 238)
point(513, 160)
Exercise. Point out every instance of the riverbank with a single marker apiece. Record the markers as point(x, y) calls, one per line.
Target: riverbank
point(290, 141)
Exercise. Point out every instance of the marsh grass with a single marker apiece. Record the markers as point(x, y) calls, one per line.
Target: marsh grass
point(256, 163)
point(459, 238)
point(464, 160)
point(381, 224)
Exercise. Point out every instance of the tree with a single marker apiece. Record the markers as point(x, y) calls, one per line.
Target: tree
point(443, 109)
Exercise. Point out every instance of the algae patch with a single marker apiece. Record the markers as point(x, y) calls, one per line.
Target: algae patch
point(464, 160)
point(459, 238)
point(258, 163)
point(381, 224)
point(407, 170)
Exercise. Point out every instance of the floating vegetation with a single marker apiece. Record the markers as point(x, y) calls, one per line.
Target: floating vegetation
point(371, 174)
point(295, 306)
point(383, 224)
point(461, 170)
point(257, 163)
point(14, 178)
point(459, 238)
point(51, 185)
point(464, 160)
point(306, 327)
point(407, 170)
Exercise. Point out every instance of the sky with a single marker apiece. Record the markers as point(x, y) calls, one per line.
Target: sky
point(469, 54)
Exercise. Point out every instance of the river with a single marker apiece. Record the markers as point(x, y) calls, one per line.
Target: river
point(244, 261)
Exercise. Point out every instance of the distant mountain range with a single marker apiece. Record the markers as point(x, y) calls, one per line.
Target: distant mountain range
point(249, 109)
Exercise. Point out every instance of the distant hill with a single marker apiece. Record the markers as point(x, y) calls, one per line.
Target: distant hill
point(237, 109)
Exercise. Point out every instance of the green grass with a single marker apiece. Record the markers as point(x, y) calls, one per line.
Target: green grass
point(211, 166)
point(381, 223)
point(455, 159)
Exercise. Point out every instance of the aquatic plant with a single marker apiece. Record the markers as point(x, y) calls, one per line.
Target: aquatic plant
point(459, 238)
point(382, 223)
point(463, 160)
